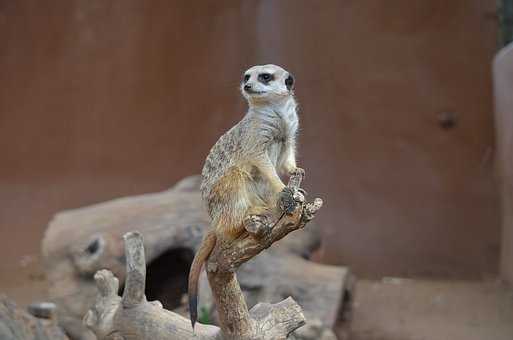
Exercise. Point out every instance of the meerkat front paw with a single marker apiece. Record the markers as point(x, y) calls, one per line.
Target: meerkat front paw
point(289, 199)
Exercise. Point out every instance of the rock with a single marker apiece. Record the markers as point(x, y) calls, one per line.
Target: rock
point(314, 330)
point(16, 324)
point(42, 310)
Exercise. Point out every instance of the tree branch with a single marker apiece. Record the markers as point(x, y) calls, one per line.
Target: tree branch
point(235, 319)
point(136, 270)
point(132, 317)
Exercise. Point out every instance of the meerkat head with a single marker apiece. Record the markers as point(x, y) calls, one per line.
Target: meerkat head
point(265, 84)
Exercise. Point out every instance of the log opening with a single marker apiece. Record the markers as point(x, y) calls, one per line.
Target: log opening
point(166, 277)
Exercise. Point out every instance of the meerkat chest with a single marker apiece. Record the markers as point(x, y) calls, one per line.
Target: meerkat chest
point(284, 136)
point(289, 124)
point(283, 125)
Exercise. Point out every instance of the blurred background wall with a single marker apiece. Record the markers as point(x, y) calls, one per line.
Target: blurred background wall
point(101, 99)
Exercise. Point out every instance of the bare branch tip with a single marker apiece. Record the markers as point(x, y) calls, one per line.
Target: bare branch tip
point(317, 203)
point(132, 235)
point(106, 282)
point(90, 319)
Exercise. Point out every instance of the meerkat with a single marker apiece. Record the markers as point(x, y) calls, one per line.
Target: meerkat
point(241, 175)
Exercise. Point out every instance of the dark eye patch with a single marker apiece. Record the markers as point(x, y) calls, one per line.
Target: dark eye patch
point(289, 82)
point(246, 77)
point(265, 77)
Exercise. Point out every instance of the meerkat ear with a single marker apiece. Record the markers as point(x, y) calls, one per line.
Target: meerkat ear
point(289, 82)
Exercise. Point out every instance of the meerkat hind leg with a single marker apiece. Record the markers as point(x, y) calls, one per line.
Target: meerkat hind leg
point(258, 221)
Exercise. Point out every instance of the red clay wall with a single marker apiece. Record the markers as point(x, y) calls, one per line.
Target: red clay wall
point(101, 99)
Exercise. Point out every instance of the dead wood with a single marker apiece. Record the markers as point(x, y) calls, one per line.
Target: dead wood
point(132, 317)
point(273, 275)
point(82, 241)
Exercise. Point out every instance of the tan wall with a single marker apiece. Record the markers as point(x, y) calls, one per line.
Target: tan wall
point(107, 98)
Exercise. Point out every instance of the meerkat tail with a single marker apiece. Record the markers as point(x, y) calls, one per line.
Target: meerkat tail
point(201, 256)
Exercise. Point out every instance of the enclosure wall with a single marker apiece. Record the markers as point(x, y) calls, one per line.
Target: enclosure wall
point(101, 99)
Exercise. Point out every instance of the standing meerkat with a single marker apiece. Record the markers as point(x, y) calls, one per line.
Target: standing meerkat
point(241, 173)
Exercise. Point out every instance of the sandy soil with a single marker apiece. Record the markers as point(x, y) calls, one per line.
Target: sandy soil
point(389, 309)
point(397, 309)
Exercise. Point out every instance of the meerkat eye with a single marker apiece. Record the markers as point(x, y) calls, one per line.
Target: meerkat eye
point(246, 77)
point(265, 77)
point(289, 82)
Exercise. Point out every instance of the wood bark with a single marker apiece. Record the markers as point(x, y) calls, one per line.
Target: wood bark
point(323, 294)
point(132, 317)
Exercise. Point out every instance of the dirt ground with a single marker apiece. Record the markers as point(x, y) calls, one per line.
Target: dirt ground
point(388, 309)
point(398, 309)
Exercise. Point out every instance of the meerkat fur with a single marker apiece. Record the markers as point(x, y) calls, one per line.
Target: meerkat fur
point(241, 175)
